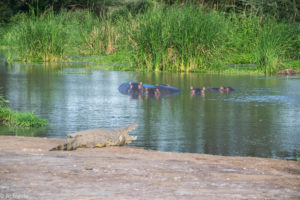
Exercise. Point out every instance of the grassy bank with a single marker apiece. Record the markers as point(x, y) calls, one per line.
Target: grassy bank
point(18, 120)
point(161, 38)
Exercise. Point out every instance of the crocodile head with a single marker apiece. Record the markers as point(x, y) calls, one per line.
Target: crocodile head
point(124, 133)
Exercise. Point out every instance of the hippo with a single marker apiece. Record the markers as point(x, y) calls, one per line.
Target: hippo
point(167, 90)
point(152, 93)
point(221, 89)
point(197, 91)
point(201, 91)
point(135, 89)
point(226, 89)
point(129, 88)
point(212, 89)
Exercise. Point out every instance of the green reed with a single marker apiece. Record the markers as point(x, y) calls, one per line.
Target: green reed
point(38, 38)
point(176, 39)
point(263, 42)
point(188, 39)
point(276, 42)
point(99, 36)
point(161, 38)
point(16, 119)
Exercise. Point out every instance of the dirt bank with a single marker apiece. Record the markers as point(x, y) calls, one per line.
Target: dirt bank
point(288, 72)
point(29, 171)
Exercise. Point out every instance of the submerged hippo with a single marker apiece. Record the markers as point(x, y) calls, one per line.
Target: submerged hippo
point(135, 89)
point(226, 89)
point(152, 93)
point(197, 91)
point(201, 91)
point(220, 89)
point(212, 89)
point(131, 87)
point(167, 90)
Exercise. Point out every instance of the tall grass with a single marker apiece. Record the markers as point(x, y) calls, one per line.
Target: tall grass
point(188, 39)
point(16, 119)
point(39, 38)
point(53, 36)
point(271, 44)
point(176, 39)
point(160, 38)
point(99, 36)
point(263, 42)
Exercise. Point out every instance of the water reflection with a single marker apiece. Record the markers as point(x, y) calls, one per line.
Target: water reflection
point(261, 118)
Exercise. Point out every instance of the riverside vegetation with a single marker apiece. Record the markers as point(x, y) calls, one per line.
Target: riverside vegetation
point(17, 119)
point(160, 36)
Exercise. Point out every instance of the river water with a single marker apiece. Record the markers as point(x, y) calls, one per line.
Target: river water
point(261, 118)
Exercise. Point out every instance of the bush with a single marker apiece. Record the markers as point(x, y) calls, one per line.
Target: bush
point(16, 119)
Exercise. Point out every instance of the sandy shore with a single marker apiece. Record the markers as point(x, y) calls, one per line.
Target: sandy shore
point(29, 171)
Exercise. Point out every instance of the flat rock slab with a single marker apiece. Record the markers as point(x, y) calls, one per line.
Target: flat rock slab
point(29, 171)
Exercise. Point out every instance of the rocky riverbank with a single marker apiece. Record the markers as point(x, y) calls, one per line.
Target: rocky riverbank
point(29, 171)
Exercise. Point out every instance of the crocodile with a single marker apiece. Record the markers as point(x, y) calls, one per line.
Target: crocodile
point(98, 138)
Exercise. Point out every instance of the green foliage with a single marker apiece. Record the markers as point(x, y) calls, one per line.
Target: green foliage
point(5, 114)
point(155, 37)
point(263, 42)
point(99, 35)
point(27, 120)
point(184, 38)
point(274, 43)
point(176, 38)
point(277, 9)
point(8, 8)
point(16, 119)
point(3, 101)
point(39, 38)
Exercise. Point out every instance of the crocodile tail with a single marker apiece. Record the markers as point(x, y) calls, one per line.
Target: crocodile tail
point(63, 147)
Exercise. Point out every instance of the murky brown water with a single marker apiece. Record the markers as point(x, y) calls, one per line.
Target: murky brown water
point(261, 118)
